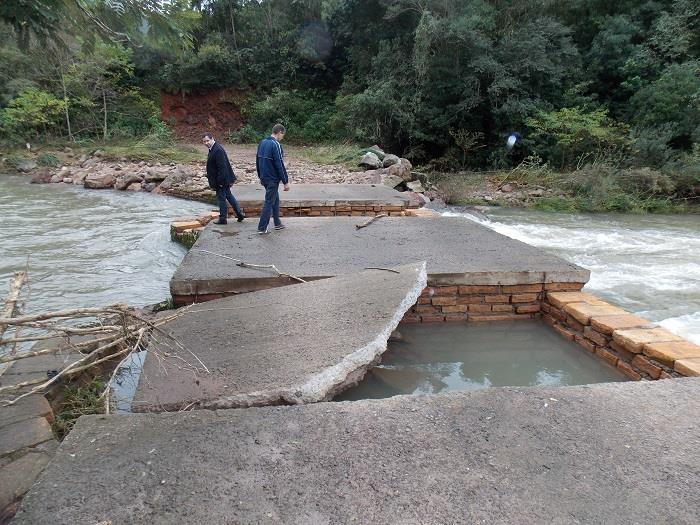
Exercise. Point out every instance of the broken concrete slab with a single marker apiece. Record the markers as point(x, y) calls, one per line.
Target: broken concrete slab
point(26, 408)
point(323, 195)
point(608, 453)
point(458, 251)
point(297, 344)
point(24, 434)
point(19, 475)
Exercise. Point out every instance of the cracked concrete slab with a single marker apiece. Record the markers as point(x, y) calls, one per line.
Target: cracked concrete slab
point(623, 453)
point(458, 251)
point(297, 344)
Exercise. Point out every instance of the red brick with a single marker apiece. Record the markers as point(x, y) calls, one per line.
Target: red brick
point(425, 309)
point(410, 319)
point(528, 309)
point(557, 314)
point(423, 300)
point(606, 355)
point(563, 331)
point(524, 298)
point(546, 307)
point(432, 318)
point(454, 318)
point(492, 317)
point(595, 336)
point(497, 298)
point(563, 287)
point(573, 324)
point(646, 366)
point(443, 301)
point(626, 369)
point(523, 288)
point(428, 291)
point(479, 307)
point(551, 321)
point(502, 308)
point(472, 289)
point(665, 375)
point(470, 299)
point(622, 352)
point(455, 309)
point(585, 343)
point(446, 290)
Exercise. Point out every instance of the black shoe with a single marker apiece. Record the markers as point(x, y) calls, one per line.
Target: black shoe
point(240, 218)
point(220, 222)
point(279, 227)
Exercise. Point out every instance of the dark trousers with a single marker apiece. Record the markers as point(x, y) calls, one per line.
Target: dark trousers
point(222, 195)
point(271, 206)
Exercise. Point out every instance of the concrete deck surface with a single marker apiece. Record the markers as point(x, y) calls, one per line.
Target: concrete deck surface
point(612, 453)
point(306, 195)
point(458, 251)
point(296, 344)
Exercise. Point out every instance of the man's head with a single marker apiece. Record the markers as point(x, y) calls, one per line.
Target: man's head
point(208, 140)
point(278, 131)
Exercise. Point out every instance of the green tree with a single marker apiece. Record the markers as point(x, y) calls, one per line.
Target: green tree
point(33, 112)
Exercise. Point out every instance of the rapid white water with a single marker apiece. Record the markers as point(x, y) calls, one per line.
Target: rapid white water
point(646, 264)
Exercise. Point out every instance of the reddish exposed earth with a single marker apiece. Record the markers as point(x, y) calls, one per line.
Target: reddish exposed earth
point(192, 114)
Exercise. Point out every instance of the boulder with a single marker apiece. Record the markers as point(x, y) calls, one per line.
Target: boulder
point(415, 186)
point(150, 186)
point(401, 169)
point(379, 152)
point(154, 176)
point(167, 184)
point(78, 178)
point(508, 188)
point(89, 163)
point(56, 178)
point(123, 182)
point(43, 177)
point(536, 193)
point(99, 181)
point(390, 160)
point(27, 165)
point(370, 160)
point(134, 186)
point(67, 180)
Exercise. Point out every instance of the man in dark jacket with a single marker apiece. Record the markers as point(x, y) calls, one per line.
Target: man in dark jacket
point(221, 177)
point(271, 171)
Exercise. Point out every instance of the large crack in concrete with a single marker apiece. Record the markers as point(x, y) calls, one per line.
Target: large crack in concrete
point(293, 345)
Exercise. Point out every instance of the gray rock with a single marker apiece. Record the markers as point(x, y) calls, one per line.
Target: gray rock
point(67, 180)
point(79, 178)
point(390, 160)
point(150, 186)
point(125, 181)
point(89, 163)
point(536, 193)
point(415, 186)
point(56, 178)
point(99, 181)
point(98, 153)
point(134, 186)
point(379, 152)
point(43, 177)
point(401, 169)
point(391, 180)
point(370, 160)
point(508, 188)
point(154, 176)
point(25, 166)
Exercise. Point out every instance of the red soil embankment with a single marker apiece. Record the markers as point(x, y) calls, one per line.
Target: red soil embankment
point(192, 114)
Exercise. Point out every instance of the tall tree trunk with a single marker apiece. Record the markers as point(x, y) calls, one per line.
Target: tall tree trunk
point(104, 108)
point(65, 99)
point(233, 34)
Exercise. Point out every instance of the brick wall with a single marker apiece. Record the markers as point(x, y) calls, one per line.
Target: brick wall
point(482, 302)
point(633, 344)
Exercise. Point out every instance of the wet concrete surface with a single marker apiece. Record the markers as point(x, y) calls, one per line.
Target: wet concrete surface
point(296, 344)
point(609, 453)
point(458, 251)
point(306, 195)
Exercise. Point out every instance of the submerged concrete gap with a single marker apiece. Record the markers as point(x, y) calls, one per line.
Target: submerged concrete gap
point(291, 345)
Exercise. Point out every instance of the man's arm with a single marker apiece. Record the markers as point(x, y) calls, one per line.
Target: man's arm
point(279, 165)
point(220, 159)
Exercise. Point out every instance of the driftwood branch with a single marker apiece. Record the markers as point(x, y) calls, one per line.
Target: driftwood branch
point(16, 284)
point(375, 218)
point(244, 264)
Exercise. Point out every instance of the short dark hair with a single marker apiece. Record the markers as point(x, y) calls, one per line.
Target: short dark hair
point(208, 136)
point(278, 128)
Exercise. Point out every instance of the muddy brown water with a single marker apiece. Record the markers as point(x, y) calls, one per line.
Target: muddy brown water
point(441, 357)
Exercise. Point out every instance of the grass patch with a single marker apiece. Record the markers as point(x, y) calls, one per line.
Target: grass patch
point(346, 154)
point(78, 401)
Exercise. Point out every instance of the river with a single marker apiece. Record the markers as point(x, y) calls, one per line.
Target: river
point(92, 248)
point(88, 247)
point(646, 264)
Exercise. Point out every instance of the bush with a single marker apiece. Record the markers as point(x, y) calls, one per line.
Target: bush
point(246, 135)
point(48, 159)
point(32, 112)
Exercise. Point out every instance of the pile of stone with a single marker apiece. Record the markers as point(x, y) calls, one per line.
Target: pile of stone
point(390, 170)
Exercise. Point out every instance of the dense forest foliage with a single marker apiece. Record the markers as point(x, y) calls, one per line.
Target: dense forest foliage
point(441, 81)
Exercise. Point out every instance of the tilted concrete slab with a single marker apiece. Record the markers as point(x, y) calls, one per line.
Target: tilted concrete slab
point(296, 344)
point(613, 453)
point(323, 195)
point(458, 251)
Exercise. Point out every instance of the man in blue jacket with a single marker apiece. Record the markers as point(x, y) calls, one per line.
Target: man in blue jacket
point(221, 177)
point(271, 171)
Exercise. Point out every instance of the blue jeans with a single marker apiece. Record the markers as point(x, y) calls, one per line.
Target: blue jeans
point(271, 206)
point(222, 195)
